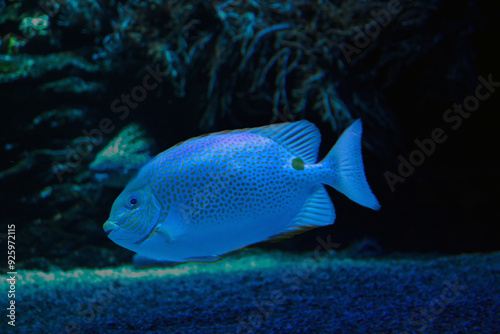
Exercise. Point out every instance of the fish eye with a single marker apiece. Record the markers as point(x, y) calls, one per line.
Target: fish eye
point(132, 201)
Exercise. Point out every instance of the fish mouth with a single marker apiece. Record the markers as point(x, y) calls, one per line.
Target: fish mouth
point(109, 227)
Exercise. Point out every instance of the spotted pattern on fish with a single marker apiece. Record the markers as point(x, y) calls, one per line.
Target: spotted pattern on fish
point(213, 194)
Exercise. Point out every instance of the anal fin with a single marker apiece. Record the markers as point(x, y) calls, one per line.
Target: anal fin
point(318, 210)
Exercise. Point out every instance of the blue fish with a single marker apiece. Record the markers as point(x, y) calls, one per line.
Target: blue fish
point(221, 192)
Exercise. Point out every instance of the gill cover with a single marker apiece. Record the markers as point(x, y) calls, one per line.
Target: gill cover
point(134, 214)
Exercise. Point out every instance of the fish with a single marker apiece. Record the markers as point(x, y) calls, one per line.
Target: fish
point(218, 193)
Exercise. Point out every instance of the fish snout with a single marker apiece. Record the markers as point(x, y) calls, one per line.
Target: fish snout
point(109, 227)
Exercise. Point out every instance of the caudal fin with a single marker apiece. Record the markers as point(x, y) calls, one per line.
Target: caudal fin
point(348, 174)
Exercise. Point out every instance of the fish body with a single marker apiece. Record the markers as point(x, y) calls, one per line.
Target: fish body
point(217, 193)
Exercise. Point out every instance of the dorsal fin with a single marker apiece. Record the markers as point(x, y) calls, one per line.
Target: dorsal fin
point(302, 138)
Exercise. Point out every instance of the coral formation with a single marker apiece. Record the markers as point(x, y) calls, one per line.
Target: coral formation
point(124, 155)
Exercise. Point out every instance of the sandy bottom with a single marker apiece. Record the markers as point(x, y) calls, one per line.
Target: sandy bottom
point(267, 292)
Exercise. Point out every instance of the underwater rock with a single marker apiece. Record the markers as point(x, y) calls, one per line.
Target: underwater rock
point(75, 85)
point(124, 155)
point(20, 68)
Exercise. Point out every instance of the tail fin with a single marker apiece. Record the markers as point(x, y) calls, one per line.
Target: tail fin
point(348, 171)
